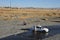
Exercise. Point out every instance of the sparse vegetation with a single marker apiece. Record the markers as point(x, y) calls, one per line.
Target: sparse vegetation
point(8, 13)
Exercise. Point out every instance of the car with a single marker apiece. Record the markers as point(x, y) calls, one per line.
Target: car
point(39, 28)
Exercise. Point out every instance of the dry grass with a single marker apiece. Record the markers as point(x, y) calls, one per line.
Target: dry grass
point(8, 14)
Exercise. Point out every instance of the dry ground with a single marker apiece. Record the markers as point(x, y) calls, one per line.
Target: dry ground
point(23, 13)
point(15, 18)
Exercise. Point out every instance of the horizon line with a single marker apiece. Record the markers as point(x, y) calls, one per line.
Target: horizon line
point(26, 7)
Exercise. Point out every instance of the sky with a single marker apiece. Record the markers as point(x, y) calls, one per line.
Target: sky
point(31, 3)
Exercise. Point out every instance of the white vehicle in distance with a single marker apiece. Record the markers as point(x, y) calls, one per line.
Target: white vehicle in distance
point(39, 28)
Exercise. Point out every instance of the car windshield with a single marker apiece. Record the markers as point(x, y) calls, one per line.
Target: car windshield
point(38, 27)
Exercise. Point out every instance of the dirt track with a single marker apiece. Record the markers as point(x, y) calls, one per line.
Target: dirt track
point(12, 27)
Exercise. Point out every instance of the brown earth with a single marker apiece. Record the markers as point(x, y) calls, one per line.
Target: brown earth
point(23, 13)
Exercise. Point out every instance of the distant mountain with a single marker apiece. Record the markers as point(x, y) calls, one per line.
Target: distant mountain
point(29, 8)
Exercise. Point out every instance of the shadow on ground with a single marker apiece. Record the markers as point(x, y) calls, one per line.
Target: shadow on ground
point(54, 30)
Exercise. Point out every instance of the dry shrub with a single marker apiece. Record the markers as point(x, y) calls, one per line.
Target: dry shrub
point(48, 14)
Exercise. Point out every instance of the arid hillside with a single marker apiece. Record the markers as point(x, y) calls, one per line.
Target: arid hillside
point(23, 13)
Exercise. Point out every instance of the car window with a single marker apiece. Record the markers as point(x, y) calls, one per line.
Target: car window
point(38, 27)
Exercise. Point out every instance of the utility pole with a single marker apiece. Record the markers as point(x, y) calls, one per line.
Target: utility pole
point(10, 3)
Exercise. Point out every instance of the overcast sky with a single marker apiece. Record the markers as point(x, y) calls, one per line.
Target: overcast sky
point(31, 3)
